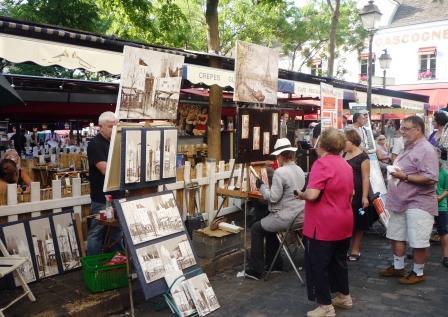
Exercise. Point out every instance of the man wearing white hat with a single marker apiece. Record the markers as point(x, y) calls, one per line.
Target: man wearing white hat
point(283, 209)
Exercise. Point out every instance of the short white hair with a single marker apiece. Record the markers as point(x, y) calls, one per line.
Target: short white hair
point(107, 116)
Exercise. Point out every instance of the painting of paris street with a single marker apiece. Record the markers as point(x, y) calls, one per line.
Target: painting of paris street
point(180, 293)
point(67, 242)
point(153, 139)
point(169, 153)
point(133, 156)
point(202, 293)
point(150, 84)
point(152, 217)
point(164, 257)
point(256, 74)
point(44, 249)
point(17, 245)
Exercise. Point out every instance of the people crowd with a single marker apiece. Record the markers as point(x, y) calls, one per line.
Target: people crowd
point(339, 192)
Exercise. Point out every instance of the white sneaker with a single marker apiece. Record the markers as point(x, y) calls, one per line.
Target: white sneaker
point(342, 301)
point(322, 311)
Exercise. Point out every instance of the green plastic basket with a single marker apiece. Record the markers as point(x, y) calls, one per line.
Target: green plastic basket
point(99, 277)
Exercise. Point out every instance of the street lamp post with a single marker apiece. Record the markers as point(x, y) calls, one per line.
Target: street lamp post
point(385, 61)
point(370, 17)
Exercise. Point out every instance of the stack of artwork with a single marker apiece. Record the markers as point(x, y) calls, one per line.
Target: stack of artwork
point(160, 248)
point(50, 243)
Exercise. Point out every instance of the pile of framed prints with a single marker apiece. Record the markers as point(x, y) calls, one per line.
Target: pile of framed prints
point(50, 243)
point(156, 238)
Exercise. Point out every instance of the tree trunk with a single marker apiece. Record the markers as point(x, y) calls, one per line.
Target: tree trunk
point(215, 99)
point(332, 38)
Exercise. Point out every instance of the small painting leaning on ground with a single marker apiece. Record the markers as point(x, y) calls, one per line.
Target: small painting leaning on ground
point(150, 84)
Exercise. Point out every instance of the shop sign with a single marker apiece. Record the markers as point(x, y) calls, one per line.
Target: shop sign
point(306, 89)
point(209, 76)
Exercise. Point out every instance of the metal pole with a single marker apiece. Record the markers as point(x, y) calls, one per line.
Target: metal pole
point(384, 78)
point(370, 69)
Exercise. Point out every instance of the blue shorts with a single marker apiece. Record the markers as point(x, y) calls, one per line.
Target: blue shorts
point(442, 223)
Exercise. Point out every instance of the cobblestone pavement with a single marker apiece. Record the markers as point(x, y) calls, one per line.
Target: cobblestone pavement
point(282, 295)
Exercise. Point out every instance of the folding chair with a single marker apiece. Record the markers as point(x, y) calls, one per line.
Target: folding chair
point(11, 264)
point(282, 238)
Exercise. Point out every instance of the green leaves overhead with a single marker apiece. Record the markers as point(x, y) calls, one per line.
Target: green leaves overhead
point(301, 33)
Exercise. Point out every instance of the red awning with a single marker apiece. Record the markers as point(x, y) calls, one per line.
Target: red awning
point(438, 93)
point(366, 56)
point(427, 50)
point(204, 92)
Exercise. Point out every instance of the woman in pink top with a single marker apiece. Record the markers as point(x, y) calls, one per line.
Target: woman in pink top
point(328, 225)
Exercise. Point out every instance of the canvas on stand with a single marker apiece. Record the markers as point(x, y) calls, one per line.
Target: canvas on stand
point(266, 138)
point(256, 139)
point(168, 256)
point(152, 217)
point(67, 242)
point(133, 156)
point(256, 74)
point(16, 243)
point(169, 153)
point(274, 123)
point(202, 293)
point(44, 248)
point(245, 126)
point(153, 142)
point(150, 84)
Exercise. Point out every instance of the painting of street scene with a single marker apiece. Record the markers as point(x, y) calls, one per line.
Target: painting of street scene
point(169, 153)
point(67, 242)
point(256, 74)
point(164, 257)
point(44, 250)
point(152, 217)
point(202, 293)
point(17, 245)
point(150, 84)
point(153, 139)
point(133, 156)
point(179, 292)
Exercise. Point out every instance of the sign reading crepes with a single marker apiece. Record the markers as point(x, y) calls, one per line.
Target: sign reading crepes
point(210, 76)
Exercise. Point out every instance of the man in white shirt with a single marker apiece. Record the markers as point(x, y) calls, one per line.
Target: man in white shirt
point(359, 120)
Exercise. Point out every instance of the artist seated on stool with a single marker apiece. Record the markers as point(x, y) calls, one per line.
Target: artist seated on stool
point(283, 209)
point(97, 152)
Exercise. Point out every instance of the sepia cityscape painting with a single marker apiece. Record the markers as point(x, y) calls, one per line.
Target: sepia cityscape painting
point(16, 243)
point(202, 293)
point(266, 139)
point(256, 74)
point(167, 256)
point(169, 153)
point(67, 242)
point(150, 84)
point(133, 156)
point(152, 217)
point(179, 292)
point(44, 250)
point(153, 139)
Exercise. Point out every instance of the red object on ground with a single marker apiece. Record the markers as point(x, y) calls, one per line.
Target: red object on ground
point(117, 259)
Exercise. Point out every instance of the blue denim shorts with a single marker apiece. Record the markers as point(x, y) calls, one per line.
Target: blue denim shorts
point(442, 223)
